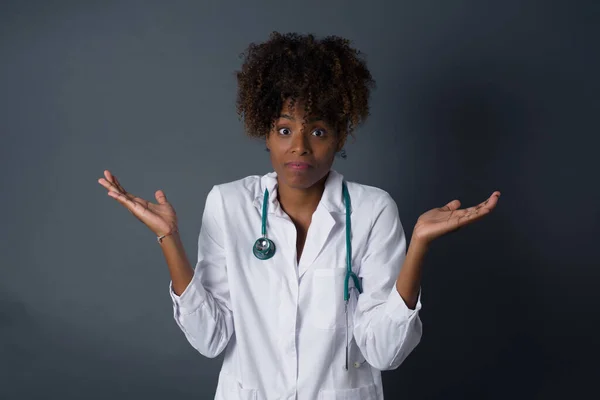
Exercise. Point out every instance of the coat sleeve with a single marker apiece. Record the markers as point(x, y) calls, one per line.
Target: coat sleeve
point(385, 329)
point(203, 310)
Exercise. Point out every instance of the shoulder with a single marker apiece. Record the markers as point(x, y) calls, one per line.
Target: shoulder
point(377, 209)
point(242, 187)
point(235, 192)
point(366, 197)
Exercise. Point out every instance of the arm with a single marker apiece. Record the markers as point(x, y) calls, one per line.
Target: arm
point(201, 300)
point(179, 267)
point(385, 327)
point(409, 279)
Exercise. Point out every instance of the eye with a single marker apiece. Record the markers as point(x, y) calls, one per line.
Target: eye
point(320, 132)
point(284, 131)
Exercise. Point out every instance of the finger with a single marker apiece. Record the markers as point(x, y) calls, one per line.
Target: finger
point(470, 215)
point(108, 185)
point(160, 197)
point(132, 206)
point(130, 196)
point(460, 218)
point(453, 205)
point(488, 204)
point(113, 188)
point(108, 176)
point(494, 199)
point(117, 185)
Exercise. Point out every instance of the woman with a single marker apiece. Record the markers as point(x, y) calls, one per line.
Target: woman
point(272, 285)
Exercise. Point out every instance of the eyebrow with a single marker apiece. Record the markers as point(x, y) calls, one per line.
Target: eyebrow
point(286, 116)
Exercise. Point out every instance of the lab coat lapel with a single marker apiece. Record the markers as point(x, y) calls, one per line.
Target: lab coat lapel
point(323, 221)
point(320, 228)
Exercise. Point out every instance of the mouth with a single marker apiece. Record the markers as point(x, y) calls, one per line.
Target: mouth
point(298, 165)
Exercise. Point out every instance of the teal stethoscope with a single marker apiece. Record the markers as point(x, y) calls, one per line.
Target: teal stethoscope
point(264, 248)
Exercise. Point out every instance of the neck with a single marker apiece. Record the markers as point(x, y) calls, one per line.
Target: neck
point(300, 202)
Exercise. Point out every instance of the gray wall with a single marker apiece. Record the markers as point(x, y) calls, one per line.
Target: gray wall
point(472, 97)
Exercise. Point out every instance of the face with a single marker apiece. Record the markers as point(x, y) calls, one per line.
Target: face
point(301, 155)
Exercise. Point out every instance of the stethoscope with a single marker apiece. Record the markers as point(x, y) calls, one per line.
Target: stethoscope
point(264, 248)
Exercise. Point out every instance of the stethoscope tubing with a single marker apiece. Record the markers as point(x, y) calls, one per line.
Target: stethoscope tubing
point(264, 248)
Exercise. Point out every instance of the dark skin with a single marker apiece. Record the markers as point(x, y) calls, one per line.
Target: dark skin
point(299, 194)
point(315, 143)
point(300, 191)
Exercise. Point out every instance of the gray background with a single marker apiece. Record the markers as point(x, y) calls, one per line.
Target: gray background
point(472, 97)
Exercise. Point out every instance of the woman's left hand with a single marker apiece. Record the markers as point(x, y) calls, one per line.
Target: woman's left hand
point(440, 221)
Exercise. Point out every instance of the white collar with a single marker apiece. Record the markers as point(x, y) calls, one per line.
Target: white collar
point(332, 198)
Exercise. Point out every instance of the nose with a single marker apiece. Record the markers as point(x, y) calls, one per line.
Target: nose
point(300, 144)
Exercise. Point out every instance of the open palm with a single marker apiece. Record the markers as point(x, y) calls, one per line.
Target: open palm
point(160, 218)
point(440, 221)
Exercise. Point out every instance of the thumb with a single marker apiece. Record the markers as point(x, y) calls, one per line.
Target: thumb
point(453, 205)
point(160, 197)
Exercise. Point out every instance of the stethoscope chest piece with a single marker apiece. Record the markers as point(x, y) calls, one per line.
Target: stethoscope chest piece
point(263, 248)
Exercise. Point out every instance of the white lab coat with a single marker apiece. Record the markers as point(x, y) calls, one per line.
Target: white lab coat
point(282, 323)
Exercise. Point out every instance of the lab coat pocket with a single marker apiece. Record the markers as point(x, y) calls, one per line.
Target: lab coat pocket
point(367, 392)
point(328, 292)
point(230, 388)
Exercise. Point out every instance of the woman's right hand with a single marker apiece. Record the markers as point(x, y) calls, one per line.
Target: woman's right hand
point(160, 218)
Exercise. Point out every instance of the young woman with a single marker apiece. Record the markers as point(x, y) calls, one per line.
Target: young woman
point(302, 277)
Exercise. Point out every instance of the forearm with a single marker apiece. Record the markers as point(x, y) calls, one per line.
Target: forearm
point(179, 267)
point(409, 279)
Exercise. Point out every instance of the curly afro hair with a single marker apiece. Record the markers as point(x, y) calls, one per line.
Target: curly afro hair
point(327, 75)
